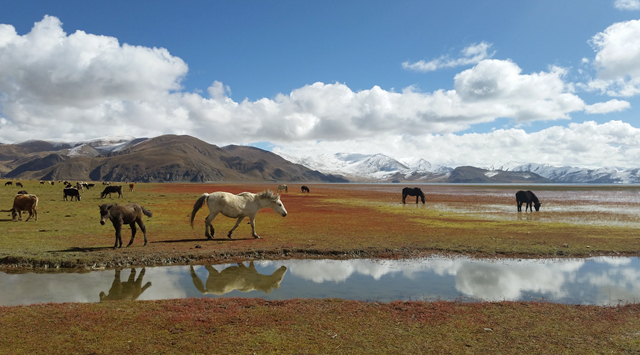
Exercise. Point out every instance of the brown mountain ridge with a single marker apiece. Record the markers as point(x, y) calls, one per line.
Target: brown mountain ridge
point(168, 158)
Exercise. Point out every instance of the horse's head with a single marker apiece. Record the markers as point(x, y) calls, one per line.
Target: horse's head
point(279, 207)
point(537, 206)
point(104, 212)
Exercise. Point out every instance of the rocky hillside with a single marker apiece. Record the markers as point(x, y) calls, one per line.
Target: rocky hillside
point(164, 158)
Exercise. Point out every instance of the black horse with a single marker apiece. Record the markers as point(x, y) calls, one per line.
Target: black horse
point(305, 188)
point(408, 191)
point(527, 197)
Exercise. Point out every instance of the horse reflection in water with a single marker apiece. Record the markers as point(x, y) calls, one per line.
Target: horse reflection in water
point(126, 291)
point(240, 278)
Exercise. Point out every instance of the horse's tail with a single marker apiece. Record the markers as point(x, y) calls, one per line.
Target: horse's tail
point(146, 212)
point(197, 206)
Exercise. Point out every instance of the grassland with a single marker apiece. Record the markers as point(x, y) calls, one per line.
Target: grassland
point(333, 221)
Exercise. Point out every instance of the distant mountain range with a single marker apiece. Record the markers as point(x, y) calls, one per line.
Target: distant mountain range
point(165, 158)
point(381, 168)
point(184, 158)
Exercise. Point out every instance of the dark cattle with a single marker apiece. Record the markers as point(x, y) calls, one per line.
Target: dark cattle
point(90, 186)
point(71, 192)
point(111, 189)
point(24, 203)
point(528, 198)
point(304, 188)
point(417, 192)
point(129, 214)
point(132, 187)
point(23, 192)
point(8, 183)
point(19, 184)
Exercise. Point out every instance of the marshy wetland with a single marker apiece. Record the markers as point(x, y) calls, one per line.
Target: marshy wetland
point(482, 276)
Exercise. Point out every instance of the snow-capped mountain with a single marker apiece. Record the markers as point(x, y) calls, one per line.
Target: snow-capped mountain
point(568, 174)
point(376, 167)
point(108, 144)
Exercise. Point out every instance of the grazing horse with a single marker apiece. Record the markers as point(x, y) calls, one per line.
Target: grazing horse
point(283, 188)
point(417, 192)
point(244, 204)
point(305, 188)
point(527, 197)
point(129, 214)
point(8, 183)
point(19, 184)
point(132, 187)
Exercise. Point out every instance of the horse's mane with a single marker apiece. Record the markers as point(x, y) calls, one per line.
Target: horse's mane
point(268, 194)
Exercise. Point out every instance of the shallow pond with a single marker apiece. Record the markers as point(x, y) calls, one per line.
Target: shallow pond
point(600, 281)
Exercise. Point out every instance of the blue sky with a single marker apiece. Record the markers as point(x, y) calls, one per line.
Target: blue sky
point(522, 78)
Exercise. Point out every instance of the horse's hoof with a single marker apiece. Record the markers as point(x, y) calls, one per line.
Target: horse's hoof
point(257, 237)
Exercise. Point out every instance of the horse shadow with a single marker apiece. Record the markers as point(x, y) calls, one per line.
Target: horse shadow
point(79, 249)
point(129, 290)
point(200, 240)
point(241, 277)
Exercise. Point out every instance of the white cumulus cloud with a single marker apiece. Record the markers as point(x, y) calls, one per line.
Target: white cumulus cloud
point(617, 60)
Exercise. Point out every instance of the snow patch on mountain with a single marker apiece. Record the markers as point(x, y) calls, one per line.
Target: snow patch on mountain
point(375, 167)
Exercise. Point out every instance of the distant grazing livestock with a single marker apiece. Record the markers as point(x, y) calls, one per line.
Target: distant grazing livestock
point(90, 186)
point(73, 192)
point(52, 183)
point(41, 182)
point(111, 189)
point(528, 198)
point(23, 192)
point(8, 183)
point(24, 203)
point(19, 184)
point(132, 187)
point(129, 214)
point(244, 204)
point(304, 188)
point(283, 188)
point(417, 192)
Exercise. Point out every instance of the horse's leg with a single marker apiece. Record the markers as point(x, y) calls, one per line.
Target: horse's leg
point(236, 226)
point(143, 229)
point(118, 237)
point(253, 226)
point(133, 232)
point(403, 198)
point(208, 226)
point(417, 199)
point(519, 206)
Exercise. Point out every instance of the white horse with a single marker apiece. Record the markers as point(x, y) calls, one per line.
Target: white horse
point(245, 204)
point(283, 188)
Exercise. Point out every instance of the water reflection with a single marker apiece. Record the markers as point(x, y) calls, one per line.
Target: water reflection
point(126, 291)
point(238, 277)
point(600, 281)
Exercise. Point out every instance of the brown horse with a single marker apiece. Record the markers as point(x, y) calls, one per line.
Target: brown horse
point(129, 214)
point(305, 188)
